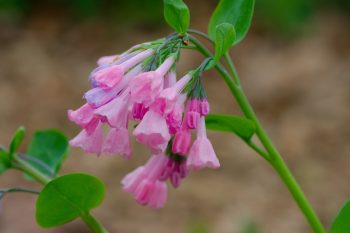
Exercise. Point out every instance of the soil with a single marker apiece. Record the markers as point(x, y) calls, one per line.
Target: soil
point(300, 89)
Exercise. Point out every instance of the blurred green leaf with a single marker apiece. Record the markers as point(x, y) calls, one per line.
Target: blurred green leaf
point(224, 37)
point(68, 197)
point(199, 228)
point(286, 17)
point(177, 15)
point(47, 151)
point(16, 140)
point(250, 228)
point(341, 223)
point(239, 13)
point(240, 126)
point(4, 161)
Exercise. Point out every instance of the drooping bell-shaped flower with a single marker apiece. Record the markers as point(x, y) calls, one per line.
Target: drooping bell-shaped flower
point(202, 153)
point(153, 132)
point(144, 184)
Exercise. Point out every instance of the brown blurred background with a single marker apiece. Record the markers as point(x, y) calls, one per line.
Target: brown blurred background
point(294, 65)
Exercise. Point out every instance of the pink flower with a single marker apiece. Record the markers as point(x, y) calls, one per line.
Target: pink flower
point(204, 108)
point(170, 79)
point(153, 132)
point(90, 143)
point(146, 86)
point(116, 111)
point(117, 142)
point(202, 153)
point(144, 184)
point(105, 60)
point(168, 97)
point(82, 116)
point(109, 75)
point(98, 96)
point(182, 142)
point(138, 111)
point(175, 171)
point(193, 113)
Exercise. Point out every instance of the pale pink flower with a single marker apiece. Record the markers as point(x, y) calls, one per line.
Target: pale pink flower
point(144, 184)
point(98, 96)
point(90, 143)
point(117, 142)
point(116, 111)
point(153, 132)
point(170, 79)
point(105, 60)
point(146, 86)
point(82, 116)
point(109, 75)
point(168, 97)
point(202, 153)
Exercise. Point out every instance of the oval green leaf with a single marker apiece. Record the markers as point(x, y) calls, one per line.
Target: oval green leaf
point(242, 127)
point(17, 140)
point(224, 37)
point(68, 197)
point(239, 13)
point(47, 151)
point(177, 15)
point(341, 223)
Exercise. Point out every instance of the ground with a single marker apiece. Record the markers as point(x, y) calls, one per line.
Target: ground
point(300, 89)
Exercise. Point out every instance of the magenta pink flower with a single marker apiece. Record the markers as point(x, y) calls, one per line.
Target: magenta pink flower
point(202, 153)
point(175, 170)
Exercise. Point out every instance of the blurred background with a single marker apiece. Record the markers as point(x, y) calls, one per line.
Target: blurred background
point(294, 65)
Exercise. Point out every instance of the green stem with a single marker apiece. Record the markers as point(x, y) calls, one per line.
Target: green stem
point(26, 167)
point(93, 223)
point(276, 159)
point(22, 165)
point(19, 190)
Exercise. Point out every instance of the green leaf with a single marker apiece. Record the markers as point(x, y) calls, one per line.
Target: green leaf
point(341, 223)
point(224, 37)
point(177, 15)
point(47, 151)
point(68, 197)
point(240, 126)
point(16, 140)
point(4, 161)
point(239, 13)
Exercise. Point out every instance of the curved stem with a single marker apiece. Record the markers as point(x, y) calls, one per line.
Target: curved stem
point(26, 167)
point(202, 34)
point(93, 223)
point(276, 159)
point(258, 150)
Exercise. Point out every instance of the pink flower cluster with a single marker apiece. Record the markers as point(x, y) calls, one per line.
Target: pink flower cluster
point(166, 109)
